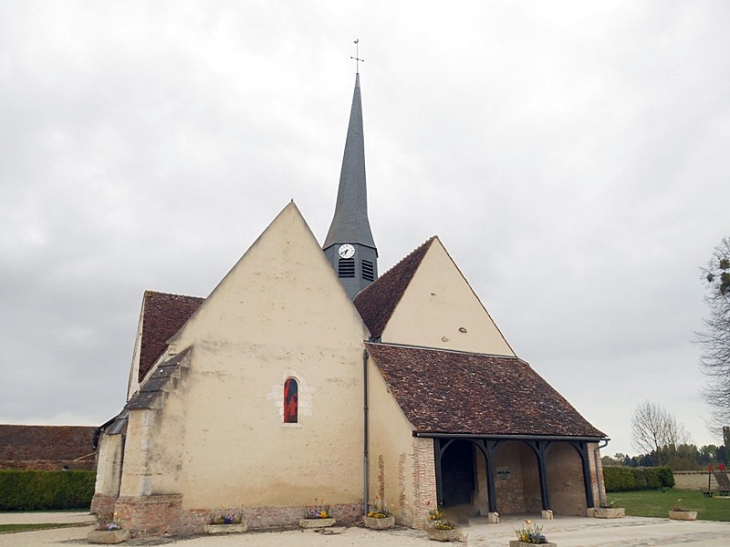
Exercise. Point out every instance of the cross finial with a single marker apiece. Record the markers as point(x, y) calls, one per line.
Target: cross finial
point(356, 58)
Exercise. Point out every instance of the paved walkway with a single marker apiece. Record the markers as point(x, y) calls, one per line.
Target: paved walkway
point(565, 531)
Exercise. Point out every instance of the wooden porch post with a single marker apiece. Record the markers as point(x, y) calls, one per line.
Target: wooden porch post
point(540, 448)
point(582, 448)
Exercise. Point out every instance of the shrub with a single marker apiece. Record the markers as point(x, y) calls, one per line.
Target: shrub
point(43, 490)
point(619, 479)
point(624, 479)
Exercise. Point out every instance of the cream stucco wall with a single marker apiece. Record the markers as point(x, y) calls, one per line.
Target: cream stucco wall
point(220, 439)
point(391, 449)
point(439, 309)
point(108, 465)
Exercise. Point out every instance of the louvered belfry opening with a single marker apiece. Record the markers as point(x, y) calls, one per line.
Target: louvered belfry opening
point(368, 272)
point(346, 267)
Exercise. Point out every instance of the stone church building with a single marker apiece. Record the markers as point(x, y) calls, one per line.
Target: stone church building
point(305, 376)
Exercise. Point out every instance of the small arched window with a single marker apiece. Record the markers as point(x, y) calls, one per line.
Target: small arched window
point(291, 401)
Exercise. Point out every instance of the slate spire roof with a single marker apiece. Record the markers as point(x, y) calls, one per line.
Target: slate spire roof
point(461, 393)
point(350, 223)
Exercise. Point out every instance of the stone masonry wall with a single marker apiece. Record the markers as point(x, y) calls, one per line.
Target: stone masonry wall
point(160, 515)
point(424, 479)
point(693, 480)
point(565, 481)
point(103, 506)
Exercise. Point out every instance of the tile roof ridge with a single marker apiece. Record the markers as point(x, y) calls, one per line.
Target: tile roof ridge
point(150, 292)
point(377, 301)
point(418, 249)
point(447, 350)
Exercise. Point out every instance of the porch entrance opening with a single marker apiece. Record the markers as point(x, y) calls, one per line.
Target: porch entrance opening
point(457, 471)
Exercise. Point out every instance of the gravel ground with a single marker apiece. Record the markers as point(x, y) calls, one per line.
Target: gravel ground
point(566, 532)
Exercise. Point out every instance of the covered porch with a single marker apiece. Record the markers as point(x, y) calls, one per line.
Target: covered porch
point(517, 474)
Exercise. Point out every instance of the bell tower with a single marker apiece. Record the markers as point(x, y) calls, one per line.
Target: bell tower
point(349, 245)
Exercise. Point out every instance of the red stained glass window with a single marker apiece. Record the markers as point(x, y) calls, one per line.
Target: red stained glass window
point(291, 401)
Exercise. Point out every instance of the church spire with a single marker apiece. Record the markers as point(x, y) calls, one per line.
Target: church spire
point(349, 243)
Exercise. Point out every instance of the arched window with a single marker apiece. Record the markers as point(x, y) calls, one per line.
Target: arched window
point(291, 401)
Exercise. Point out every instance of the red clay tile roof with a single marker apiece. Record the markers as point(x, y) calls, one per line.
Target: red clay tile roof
point(451, 392)
point(164, 315)
point(377, 301)
point(45, 442)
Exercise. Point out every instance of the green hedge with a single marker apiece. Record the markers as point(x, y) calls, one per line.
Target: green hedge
point(40, 490)
point(624, 479)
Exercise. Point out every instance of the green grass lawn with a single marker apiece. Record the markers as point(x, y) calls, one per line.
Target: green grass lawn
point(655, 503)
point(7, 528)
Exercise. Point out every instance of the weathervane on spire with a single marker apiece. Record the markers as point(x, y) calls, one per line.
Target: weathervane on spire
point(356, 58)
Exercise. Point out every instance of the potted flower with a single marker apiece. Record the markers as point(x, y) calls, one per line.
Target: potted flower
point(609, 509)
point(528, 535)
point(108, 532)
point(434, 515)
point(379, 516)
point(226, 521)
point(443, 530)
point(680, 512)
point(316, 516)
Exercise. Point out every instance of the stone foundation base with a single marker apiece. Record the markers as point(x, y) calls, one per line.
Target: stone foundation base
point(103, 506)
point(107, 536)
point(159, 515)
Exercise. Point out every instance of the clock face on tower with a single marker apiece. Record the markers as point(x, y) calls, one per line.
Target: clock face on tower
point(346, 251)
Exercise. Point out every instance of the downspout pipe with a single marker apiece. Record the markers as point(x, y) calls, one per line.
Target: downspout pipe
point(365, 455)
point(599, 476)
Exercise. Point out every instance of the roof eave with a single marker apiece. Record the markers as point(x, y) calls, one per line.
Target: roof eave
point(508, 437)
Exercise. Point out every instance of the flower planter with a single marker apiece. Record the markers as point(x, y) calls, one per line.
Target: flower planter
point(518, 543)
point(237, 528)
point(379, 523)
point(443, 535)
point(683, 515)
point(107, 536)
point(316, 523)
point(609, 512)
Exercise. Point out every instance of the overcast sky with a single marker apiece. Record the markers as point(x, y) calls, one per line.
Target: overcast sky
point(573, 157)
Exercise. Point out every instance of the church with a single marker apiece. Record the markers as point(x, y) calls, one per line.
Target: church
point(306, 378)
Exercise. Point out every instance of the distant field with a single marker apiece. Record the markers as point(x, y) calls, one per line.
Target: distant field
point(655, 503)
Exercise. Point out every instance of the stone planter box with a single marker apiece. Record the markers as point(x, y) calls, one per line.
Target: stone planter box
point(443, 535)
point(378, 524)
point(518, 543)
point(609, 512)
point(683, 515)
point(107, 536)
point(316, 523)
point(237, 528)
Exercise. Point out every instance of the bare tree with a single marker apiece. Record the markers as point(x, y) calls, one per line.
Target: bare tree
point(653, 429)
point(715, 338)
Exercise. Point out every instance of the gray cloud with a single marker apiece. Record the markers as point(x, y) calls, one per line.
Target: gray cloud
point(572, 158)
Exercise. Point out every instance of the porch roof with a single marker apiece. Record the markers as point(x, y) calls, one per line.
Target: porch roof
point(451, 392)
